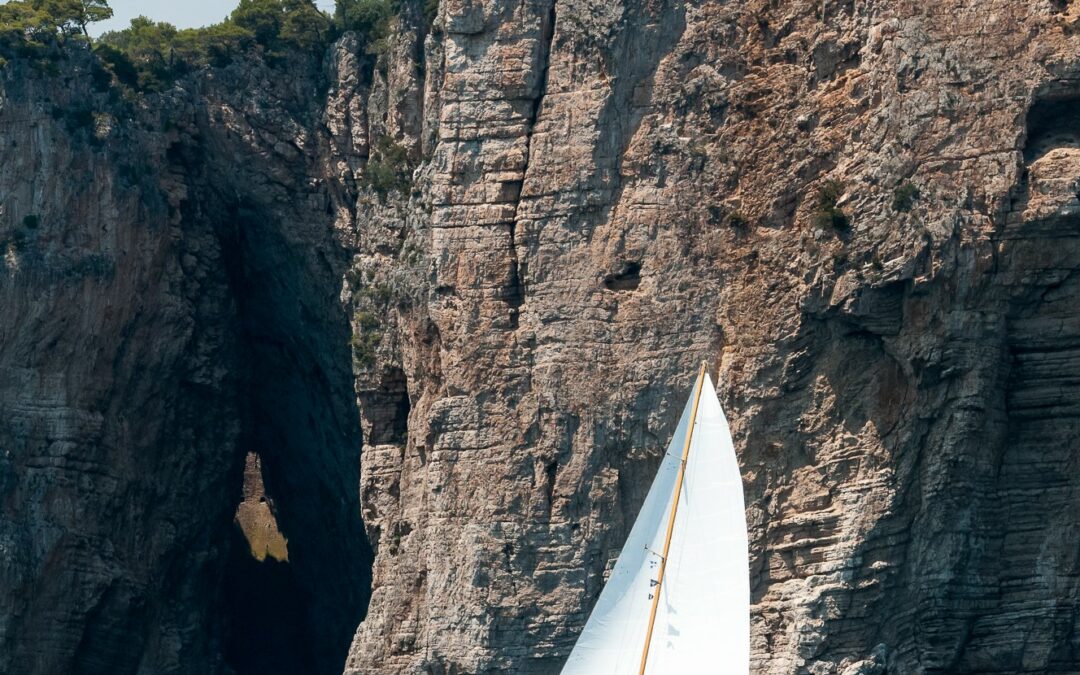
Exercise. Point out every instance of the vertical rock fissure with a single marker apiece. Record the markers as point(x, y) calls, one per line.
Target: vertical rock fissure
point(296, 611)
point(547, 36)
point(515, 293)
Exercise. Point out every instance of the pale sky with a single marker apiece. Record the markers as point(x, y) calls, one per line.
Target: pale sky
point(184, 14)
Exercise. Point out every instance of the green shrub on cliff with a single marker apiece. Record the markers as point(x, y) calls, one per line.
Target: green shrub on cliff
point(388, 168)
point(431, 11)
point(366, 338)
point(904, 197)
point(828, 213)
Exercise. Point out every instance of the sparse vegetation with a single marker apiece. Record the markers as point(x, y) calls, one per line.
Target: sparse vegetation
point(388, 169)
point(377, 294)
point(365, 339)
point(699, 156)
point(828, 214)
point(74, 118)
point(95, 265)
point(904, 197)
point(720, 215)
point(840, 261)
point(14, 239)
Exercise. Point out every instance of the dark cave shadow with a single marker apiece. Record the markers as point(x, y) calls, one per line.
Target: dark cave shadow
point(267, 630)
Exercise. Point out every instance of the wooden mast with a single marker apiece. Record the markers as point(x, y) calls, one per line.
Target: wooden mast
point(671, 518)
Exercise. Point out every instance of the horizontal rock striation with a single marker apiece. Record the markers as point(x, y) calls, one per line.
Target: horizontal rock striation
point(863, 215)
point(618, 190)
point(170, 281)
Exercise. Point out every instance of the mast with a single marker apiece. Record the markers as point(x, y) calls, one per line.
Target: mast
point(671, 518)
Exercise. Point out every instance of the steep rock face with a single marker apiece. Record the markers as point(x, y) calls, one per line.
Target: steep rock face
point(116, 410)
point(619, 190)
point(171, 282)
point(604, 194)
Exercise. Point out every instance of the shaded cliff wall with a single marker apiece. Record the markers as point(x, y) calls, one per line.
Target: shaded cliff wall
point(171, 281)
point(118, 415)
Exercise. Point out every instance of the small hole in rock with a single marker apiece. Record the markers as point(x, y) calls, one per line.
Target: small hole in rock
point(626, 279)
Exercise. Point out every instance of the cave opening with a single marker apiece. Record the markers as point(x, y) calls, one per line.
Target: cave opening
point(628, 278)
point(389, 409)
point(1053, 122)
point(298, 573)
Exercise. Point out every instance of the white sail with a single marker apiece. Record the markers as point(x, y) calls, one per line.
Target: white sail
point(702, 622)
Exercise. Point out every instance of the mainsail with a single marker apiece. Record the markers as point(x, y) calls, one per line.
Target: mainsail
point(700, 623)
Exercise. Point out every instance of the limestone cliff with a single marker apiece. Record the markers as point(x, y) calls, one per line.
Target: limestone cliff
point(865, 214)
point(170, 293)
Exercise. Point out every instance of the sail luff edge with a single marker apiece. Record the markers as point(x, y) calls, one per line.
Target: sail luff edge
point(671, 518)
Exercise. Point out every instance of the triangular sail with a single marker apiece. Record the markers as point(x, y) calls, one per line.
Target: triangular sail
point(702, 622)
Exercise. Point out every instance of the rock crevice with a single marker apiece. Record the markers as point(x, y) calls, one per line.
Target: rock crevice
point(864, 219)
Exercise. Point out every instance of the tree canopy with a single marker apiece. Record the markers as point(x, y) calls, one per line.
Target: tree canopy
point(30, 25)
point(370, 18)
point(283, 23)
point(149, 55)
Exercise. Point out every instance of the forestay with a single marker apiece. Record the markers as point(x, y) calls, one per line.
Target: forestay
point(702, 622)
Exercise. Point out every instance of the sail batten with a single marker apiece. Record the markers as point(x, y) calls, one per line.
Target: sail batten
point(702, 621)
